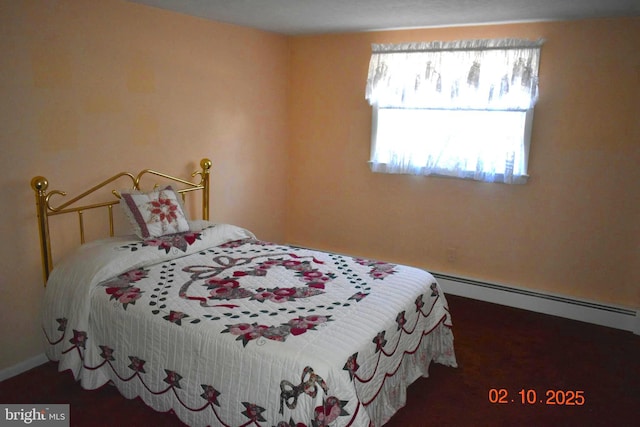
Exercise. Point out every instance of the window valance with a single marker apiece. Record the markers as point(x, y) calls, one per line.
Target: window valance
point(467, 74)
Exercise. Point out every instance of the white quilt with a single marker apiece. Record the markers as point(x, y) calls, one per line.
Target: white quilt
point(225, 329)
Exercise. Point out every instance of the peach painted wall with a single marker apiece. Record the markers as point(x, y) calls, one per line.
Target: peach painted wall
point(96, 87)
point(572, 230)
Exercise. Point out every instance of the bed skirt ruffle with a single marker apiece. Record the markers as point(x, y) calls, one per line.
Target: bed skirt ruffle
point(437, 347)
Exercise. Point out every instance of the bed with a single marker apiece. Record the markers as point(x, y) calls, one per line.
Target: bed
point(208, 321)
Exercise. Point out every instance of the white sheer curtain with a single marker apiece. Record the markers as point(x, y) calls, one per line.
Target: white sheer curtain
point(453, 108)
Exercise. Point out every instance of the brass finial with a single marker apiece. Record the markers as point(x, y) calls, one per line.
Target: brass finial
point(206, 164)
point(39, 183)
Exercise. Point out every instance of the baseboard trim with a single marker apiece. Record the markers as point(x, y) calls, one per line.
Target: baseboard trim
point(556, 305)
point(23, 366)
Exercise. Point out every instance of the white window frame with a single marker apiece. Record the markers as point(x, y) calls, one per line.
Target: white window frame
point(468, 173)
point(463, 76)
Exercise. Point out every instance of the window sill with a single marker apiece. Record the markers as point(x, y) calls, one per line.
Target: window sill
point(497, 178)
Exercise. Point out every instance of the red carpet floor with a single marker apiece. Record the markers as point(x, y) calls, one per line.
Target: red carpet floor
point(500, 352)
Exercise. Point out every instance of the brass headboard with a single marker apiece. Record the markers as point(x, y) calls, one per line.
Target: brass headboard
point(45, 210)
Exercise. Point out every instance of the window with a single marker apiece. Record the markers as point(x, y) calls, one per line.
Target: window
point(461, 109)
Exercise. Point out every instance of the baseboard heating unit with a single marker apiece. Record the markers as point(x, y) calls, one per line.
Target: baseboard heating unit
point(627, 319)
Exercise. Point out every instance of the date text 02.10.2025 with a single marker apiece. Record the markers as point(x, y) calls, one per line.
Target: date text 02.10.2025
point(531, 397)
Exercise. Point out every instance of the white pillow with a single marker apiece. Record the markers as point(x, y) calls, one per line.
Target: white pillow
point(155, 213)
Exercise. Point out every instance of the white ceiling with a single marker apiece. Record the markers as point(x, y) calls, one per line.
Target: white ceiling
point(329, 16)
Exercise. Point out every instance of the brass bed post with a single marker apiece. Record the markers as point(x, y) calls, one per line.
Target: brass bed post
point(39, 185)
point(205, 164)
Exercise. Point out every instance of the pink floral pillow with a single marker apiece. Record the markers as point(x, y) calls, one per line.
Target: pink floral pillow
point(155, 213)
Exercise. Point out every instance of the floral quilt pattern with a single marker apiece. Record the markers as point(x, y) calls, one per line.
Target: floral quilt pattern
point(219, 284)
point(255, 296)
